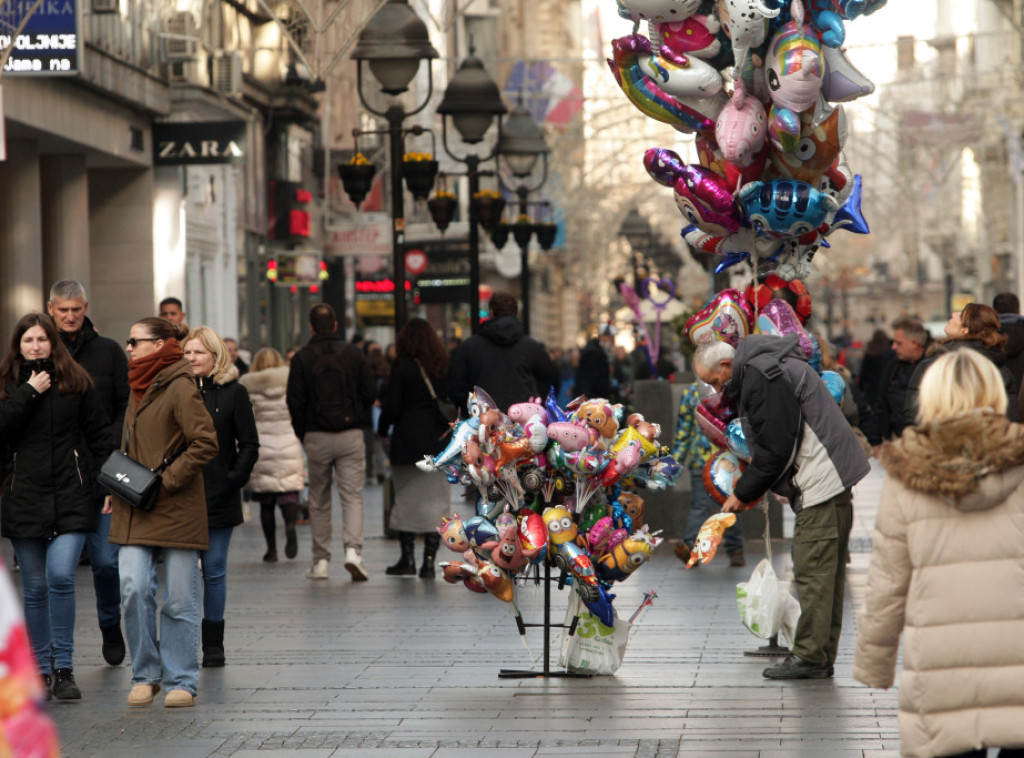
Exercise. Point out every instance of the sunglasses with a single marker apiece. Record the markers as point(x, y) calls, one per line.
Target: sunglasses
point(133, 341)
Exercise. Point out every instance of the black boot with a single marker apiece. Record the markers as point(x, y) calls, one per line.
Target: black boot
point(48, 686)
point(431, 541)
point(291, 545)
point(113, 644)
point(213, 644)
point(64, 687)
point(406, 565)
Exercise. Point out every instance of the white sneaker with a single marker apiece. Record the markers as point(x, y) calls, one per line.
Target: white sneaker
point(354, 565)
point(319, 569)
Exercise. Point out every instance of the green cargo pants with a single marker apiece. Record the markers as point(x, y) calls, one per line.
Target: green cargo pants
point(821, 541)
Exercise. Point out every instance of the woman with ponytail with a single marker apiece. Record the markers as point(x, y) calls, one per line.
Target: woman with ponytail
point(165, 419)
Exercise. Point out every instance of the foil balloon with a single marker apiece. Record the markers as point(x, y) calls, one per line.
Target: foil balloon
point(663, 165)
point(785, 208)
point(709, 538)
point(746, 242)
point(571, 435)
point(533, 533)
point(657, 10)
point(727, 318)
point(453, 533)
point(583, 463)
point(713, 414)
point(736, 440)
point(657, 474)
point(480, 530)
point(849, 216)
point(685, 114)
point(497, 581)
point(626, 557)
point(633, 507)
point(679, 75)
point(599, 603)
point(599, 534)
point(706, 200)
point(778, 318)
point(721, 472)
point(592, 513)
point(521, 413)
point(601, 416)
point(835, 384)
point(562, 530)
point(774, 286)
point(457, 571)
point(741, 128)
point(507, 553)
point(555, 413)
point(697, 36)
point(793, 63)
point(746, 23)
point(842, 82)
point(818, 148)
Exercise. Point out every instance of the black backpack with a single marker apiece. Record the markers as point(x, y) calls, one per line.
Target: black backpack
point(333, 399)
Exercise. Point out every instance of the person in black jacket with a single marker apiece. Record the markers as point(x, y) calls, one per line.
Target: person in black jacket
point(593, 374)
point(1011, 323)
point(502, 360)
point(107, 364)
point(330, 388)
point(55, 436)
point(223, 478)
point(409, 405)
point(910, 344)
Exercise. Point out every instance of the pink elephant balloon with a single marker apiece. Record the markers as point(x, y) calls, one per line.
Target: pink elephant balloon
point(741, 128)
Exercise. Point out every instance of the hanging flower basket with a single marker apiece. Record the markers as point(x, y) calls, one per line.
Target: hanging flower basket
point(522, 230)
point(442, 209)
point(499, 235)
point(546, 234)
point(357, 177)
point(488, 206)
point(419, 171)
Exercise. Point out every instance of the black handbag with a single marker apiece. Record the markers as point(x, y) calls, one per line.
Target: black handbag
point(134, 483)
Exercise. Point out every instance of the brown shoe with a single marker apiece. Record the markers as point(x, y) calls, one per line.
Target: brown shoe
point(682, 551)
point(142, 694)
point(736, 559)
point(179, 699)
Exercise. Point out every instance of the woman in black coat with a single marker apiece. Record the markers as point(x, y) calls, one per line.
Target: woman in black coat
point(223, 478)
point(421, 500)
point(55, 435)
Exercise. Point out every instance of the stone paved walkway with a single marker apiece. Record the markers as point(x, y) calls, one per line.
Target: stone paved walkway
point(409, 668)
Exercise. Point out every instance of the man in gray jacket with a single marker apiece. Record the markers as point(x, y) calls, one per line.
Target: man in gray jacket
point(802, 448)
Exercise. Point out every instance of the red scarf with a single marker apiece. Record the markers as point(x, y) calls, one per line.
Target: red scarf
point(142, 371)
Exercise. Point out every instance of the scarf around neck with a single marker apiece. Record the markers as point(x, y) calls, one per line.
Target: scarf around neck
point(142, 371)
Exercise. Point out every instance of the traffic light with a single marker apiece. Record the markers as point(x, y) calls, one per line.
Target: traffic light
point(289, 214)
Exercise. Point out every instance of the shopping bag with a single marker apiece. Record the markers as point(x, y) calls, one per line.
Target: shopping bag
point(762, 601)
point(594, 648)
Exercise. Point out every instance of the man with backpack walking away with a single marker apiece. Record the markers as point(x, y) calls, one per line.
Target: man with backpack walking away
point(329, 387)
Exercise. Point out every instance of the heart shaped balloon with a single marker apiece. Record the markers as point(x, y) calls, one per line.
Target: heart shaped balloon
point(664, 287)
point(727, 317)
point(779, 318)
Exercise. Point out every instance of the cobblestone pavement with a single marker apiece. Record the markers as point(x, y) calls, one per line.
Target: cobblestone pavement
point(409, 668)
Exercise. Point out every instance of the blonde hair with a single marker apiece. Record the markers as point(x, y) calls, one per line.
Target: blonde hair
point(958, 381)
point(266, 357)
point(212, 342)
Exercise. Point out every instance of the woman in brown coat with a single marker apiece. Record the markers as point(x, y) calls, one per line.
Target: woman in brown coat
point(165, 419)
point(947, 568)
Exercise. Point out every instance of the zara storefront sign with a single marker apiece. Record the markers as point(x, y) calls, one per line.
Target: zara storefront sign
point(48, 43)
point(177, 144)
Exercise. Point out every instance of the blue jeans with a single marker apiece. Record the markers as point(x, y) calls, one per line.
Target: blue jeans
point(174, 660)
point(702, 506)
point(215, 574)
point(48, 588)
point(103, 557)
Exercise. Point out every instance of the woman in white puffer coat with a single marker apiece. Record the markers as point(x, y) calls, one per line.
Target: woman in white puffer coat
point(279, 475)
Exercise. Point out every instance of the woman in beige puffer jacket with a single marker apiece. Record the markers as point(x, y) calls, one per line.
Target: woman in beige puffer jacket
point(947, 569)
point(279, 475)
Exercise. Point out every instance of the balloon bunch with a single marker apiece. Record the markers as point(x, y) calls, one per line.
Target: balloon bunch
point(772, 181)
point(550, 483)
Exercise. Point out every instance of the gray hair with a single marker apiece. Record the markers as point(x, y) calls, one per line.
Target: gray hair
point(710, 355)
point(912, 329)
point(67, 289)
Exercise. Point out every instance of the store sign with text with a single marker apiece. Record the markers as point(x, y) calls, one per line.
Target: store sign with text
point(178, 144)
point(48, 44)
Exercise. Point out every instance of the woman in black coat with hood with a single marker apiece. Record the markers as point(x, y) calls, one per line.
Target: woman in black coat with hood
point(223, 478)
point(55, 436)
point(975, 327)
point(418, 375)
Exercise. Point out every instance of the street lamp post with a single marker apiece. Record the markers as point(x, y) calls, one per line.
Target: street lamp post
point(471, 100)
point(393, 43)
point(637, 232)
point(521, 144)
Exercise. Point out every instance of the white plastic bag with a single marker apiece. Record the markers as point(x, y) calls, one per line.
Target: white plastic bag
point(594, 648)
point(762, 601)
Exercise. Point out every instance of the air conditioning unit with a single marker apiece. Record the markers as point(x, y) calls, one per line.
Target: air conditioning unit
point(180, 37)
point(106, 6)
point(226, 72)
point(184, 72)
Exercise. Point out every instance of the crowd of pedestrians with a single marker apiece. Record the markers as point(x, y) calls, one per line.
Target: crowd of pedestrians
point(334, 414)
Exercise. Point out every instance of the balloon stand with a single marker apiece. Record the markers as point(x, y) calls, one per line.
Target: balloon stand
point(546, 626)
point(772, 650)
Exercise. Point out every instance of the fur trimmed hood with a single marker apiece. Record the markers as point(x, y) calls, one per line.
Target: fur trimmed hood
point(974, 460)
point(266, 380)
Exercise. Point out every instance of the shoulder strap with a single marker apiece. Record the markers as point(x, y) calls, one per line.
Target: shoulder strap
point(165, 462)
point(430, 387)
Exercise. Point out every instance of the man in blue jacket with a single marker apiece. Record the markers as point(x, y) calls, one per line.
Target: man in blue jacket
point(802, 448)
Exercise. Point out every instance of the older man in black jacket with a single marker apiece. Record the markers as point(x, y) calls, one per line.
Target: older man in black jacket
point(803, 448)
point(106, 363)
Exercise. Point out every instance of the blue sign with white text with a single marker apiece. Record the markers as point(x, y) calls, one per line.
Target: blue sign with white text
point(49, 42)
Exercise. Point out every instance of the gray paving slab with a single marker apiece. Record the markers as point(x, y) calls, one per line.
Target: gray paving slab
point(410, 668)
